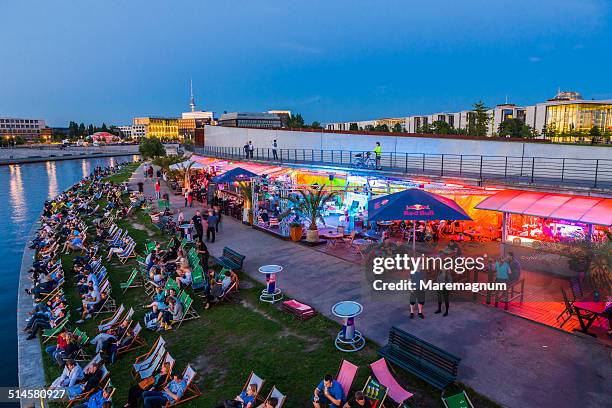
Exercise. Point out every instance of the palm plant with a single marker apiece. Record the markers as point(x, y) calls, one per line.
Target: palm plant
point(309, 204)
point(247, 192)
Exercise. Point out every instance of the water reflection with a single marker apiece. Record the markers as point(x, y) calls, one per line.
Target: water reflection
point(52, 176)
point(16, 193)
point(85, 165)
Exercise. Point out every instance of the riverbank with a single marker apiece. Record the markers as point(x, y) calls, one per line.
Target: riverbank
point(29, 353)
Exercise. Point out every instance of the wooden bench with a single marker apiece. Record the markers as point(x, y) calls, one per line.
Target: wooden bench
point(230, 259)
point(420, 358)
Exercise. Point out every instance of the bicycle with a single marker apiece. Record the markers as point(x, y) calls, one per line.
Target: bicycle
point(364, 161)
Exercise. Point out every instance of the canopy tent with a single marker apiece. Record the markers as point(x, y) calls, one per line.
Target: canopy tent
point(185, 165)
point(416, 205)
point(588, 210)
point(236, 174)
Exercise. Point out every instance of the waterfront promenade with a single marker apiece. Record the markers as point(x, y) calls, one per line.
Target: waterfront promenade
point(35, 154)
point(514, 361)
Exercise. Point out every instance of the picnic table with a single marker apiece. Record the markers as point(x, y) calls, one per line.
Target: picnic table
point(587, 313)
point(348, 339)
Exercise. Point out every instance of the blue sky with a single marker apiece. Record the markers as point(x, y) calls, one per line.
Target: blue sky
point(96, 61)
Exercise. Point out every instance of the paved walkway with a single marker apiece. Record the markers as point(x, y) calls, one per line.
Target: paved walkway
point(516, 362)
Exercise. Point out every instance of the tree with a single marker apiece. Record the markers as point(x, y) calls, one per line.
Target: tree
point(73, 130)
point(151, 148)
point(440, 127)
point(353, 126)
point(595, 131)
point(315, 125)
point(295, 121)
point(479, 120)
point(425, 129)
point(397, 128)
point(104, 128)
point(308, 205)
point(91, 129)
point(381, 128)
point(514, 128)
point(369, 128)
point(81, 129)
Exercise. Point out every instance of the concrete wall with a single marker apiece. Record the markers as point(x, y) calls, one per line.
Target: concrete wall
point(262, 138)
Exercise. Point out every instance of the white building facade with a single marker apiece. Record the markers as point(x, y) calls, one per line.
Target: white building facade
point(29, 129)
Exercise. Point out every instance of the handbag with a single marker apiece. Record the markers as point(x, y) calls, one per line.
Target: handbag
point(146, 383)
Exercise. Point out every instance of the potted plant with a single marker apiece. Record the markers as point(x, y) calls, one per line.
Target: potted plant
point(295, 231)
point(309, 205)
point(246, 190)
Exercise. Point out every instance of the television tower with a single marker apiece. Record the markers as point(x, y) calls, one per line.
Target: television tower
point(192, 103)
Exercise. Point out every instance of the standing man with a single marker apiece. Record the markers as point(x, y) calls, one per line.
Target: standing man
point(251, 148)
point(246, 150)
point(196, 221)
point(212, 225)
point(378, 154)
point(515, 267)
point(157, 190)
point(274, 147)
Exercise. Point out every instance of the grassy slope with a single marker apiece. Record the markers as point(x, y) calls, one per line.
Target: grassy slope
point(230, 340)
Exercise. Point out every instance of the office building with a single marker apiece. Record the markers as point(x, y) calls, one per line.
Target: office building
point(161, 128)
point(284, 116)
point(28, 129)
point(366, 124)
point(250, 119)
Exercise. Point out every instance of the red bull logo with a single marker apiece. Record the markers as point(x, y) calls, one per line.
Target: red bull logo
point(380, 204)
point(417, 207)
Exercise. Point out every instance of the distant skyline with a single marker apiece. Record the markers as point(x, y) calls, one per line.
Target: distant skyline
point(328, 60)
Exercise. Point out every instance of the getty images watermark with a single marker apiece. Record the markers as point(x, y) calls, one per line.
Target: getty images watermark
point(402, 272)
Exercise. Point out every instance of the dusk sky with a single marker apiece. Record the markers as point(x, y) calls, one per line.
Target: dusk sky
point(108, 61)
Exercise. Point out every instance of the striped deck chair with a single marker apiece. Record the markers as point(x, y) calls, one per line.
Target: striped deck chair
point(395, 391)
point(191, 391)
point(111, 321)
point(81, 354)
point(275, 393)
point(135, 342)
point(132, 281)
point(254, 379)
point(145, 360)
point(154, 366)
point(128, 252)
point(48, 334)
point(84, 396)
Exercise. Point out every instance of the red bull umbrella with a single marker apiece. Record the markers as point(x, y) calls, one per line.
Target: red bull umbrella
point(415, 204)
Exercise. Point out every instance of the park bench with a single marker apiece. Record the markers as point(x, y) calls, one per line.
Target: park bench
point(420, 358)
point(230, 259)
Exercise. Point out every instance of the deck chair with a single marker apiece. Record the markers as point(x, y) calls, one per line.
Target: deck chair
point(189, 312)
point(191, 391)
point(81, 354)
point(145, 360)
point(198, 279)
point(84, 396)
point(108, 304)
point(254, 379)
point(375, 392)
point(395, 391)
point(568, 312)
point(135, 343)
point(128, 252)
point(111, 321)
point(48, 334)
point(346, 375)
point(460, 400)
point(150, 246)
point(275, 393)
point(131, 282)
point(154, 366)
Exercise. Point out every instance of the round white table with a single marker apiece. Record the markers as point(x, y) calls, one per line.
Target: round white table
point(272, 293)
point(187, 229)
point(348, 339)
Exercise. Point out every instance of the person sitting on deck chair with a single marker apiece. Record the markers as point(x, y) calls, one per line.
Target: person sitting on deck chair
point(70, 376)
point(271, 402)
point(171, 393)
point(91, 380)
point(328, 392)
point(98, 399)
point(246, 399)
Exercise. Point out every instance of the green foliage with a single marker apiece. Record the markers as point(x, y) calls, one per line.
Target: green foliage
point(316, 125)
point(353, 126)
point(440, 127)
point(595, 131)
point(309, 204)
point(479, 121)
point(381, 128)
point(369, 128)
point(515, 128)
point(295, 121)
point(166, 161)
point(151, 148)
point(397, 128)
point(246, 190)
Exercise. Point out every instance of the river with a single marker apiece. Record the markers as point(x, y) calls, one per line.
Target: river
point(24, 189)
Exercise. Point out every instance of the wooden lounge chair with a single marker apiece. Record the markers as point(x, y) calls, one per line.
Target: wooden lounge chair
point(156, 362)
point(84, 396)
point(275, 393)
point(81, 354)
point(346, 375)
point(136, 341)
point(108, 303)
point(395, 391)
point(254, 379)
point(48, 334)
point(191, 391)
point(460, 400)
point(145, 360)
point(128, 252)
point(189, 312)
point(299, 310)
point(111, 321)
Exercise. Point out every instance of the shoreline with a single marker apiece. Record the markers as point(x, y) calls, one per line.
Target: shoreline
point(69, 156)
point(30, 371)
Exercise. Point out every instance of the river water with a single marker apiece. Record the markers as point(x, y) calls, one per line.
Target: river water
point(23, 191)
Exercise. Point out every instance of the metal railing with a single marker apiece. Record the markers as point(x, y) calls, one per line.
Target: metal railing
point(588, 173)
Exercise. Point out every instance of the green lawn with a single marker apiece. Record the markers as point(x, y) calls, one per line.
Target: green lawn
point(231, 339)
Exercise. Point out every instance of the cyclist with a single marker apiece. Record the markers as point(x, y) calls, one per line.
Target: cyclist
point(378, 154)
